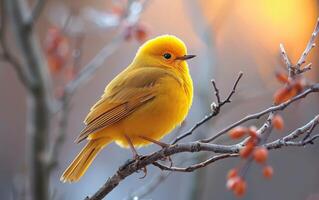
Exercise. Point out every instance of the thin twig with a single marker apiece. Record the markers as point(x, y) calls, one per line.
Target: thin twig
point(195, 166)
point(132, 17)
point(295, 134)
point(312, 89)
point(7, 56)
point(286, 59)
point(228, 99)
point(216, 92)
point(310, 45)
point(215, 109)
point(89, 70)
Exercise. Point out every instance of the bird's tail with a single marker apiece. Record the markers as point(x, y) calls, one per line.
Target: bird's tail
point(84, 159)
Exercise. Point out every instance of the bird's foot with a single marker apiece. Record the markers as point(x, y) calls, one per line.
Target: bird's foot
point(138, 158)
point(169, 159)
point(161, 144)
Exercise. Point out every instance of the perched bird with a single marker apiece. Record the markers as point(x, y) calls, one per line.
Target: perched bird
point(140, 105)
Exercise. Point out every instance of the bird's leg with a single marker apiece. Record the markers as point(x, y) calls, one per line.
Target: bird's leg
point(136, 156)
point(162, 144)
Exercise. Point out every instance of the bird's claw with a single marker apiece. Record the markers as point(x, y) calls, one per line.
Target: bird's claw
point(139, 158)
point(169, 160)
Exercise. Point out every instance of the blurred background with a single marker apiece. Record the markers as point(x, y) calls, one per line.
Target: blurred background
point(227, 36)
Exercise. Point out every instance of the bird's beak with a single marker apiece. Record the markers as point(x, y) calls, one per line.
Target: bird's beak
point(185, 57)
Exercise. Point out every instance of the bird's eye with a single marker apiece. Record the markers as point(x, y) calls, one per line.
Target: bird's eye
point(167, 56)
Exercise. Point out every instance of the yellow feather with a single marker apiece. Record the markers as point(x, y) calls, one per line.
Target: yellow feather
point(149, 98)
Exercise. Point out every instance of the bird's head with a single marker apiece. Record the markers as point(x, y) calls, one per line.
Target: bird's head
point(163, 51)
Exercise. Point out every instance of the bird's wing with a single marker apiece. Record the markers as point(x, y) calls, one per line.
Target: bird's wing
point(126, 93)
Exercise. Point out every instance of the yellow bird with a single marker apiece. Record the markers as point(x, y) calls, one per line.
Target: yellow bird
point(140, 105)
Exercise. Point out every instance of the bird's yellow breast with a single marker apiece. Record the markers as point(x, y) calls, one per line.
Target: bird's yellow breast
point(161, 115)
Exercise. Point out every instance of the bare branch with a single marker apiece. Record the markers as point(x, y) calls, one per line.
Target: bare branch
point(287, 140)
point(304, 69)
point(285, 56)
point(216, 93)
point(227, 100)
point(195, 166)
point(286, 59)
point(225, 150)
point(312, 89)
point(311, 44)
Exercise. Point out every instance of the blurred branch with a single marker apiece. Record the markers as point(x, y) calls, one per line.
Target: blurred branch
point(132, 15)
point(6, 55)
point(89, 70)
point(39, 100)
point(57, 142)
point(36, 11)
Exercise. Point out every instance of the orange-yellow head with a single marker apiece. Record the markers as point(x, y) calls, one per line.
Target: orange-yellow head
point(163, 51)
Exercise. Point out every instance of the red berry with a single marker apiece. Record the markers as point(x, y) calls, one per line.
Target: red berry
point(246, 151)
point(230, 184)
point(141, 32)
point(240, 188)
point(232, 173)
point(268, 172)
point(284, 94)
point(278, 122)
point(237, 133)
point(260, 155)
point(252, 131)
point(282, 77)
